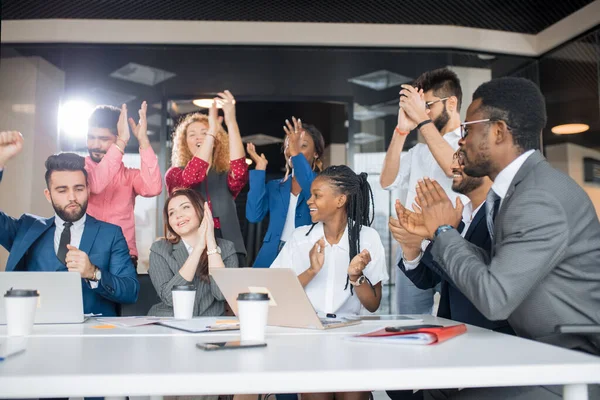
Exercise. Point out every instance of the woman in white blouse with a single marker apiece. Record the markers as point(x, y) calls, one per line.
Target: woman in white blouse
point(339, 260)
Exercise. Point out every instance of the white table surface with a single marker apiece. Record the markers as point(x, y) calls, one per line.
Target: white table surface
point(79, 360)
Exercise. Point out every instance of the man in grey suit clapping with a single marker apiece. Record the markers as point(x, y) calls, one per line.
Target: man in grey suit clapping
point(544, 267)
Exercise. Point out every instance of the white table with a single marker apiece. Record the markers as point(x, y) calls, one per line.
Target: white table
point(78, 360)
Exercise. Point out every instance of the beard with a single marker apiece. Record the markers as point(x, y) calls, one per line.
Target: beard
point(479, 167)
point(70, 215)
point(442, 120)
point(467, 185)
point(94, 158)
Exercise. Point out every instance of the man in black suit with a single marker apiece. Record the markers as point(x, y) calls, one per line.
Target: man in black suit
point(419, 267)
point(425, 273)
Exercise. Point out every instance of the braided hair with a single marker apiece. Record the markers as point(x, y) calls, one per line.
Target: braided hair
point(359, 200)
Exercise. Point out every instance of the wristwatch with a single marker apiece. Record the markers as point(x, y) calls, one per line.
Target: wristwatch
point(361, 279)
point(97, 275)
point(441, 229)
point(216, 250)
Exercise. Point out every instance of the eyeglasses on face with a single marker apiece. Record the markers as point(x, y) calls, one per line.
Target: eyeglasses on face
point(464, 127)
point(428, 104)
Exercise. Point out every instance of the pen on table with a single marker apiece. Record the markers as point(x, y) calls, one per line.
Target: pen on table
point(331, 315)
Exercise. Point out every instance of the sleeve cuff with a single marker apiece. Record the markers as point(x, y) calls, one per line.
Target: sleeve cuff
point(412, 264)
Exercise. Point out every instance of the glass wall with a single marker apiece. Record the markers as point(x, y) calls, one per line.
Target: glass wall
point(351, 94)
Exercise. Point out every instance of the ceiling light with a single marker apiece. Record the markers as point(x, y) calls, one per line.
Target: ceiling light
point(260, 139)
point(73, 118)
point(248, 161)
point(206, 103)
point(570, 129)
point(143, 74)
point(380, 80)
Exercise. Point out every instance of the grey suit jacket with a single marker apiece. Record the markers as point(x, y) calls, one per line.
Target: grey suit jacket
point(545, 268)
point(165, 261)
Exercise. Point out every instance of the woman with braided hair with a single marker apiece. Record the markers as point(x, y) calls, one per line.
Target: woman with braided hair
point(339, 260)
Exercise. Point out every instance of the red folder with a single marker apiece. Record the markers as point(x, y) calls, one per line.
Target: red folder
point(439, 334)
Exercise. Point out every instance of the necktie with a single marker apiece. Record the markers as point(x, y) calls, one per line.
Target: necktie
point(65, 239)
point(492, 203)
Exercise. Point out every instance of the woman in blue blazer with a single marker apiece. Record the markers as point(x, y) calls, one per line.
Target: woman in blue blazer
point(303, 149)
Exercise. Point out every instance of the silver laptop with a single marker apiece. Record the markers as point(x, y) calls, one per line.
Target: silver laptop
point(289, 304)
point(60, 301)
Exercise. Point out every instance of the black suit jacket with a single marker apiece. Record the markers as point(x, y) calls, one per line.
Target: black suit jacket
point(453, 304)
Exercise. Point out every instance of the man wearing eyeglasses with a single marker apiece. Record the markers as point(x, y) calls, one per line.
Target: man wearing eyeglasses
point(543, 268)
point(432, 107)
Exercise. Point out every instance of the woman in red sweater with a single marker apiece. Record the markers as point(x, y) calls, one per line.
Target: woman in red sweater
point(213, 162)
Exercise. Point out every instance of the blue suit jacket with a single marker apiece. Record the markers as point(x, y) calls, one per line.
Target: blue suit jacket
point(27, 239)
point(274, 198)
point(453, 304)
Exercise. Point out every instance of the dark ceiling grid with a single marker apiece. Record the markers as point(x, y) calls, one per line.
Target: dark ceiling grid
point(530, 16)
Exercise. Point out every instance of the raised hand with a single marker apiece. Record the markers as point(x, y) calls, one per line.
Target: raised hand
point(317, 256)
point(211, 242)
point(123, 128)
point(11, 144)
point(201, 234)
point(412, 222)
point(78, 261)
point(358, 264)
point(227, 102)
point(294, 136)
point(213, 119)
point(413, 104)
point(260, 161)
point(140, 130)
point(404, 124)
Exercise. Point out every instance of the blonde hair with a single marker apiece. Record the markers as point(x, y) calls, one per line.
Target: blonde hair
point(181, 154)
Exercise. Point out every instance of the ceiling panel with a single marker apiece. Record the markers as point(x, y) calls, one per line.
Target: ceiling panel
point(530, 16)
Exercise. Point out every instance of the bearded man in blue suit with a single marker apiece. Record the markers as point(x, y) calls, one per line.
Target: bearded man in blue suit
point(71, 240)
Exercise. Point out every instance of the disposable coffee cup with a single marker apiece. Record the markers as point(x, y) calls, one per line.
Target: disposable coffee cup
point(253, 311)
point(183, 301)
point(20, 306)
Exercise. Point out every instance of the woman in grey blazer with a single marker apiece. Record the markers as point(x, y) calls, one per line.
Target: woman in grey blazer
point(187, 253)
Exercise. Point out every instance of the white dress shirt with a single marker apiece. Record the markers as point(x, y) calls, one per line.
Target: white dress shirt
point(290, 219)
point(76, 234)
point(418, 163)
point(467, 219)
point(76, 231)
point(187, 247)
point(506, 176)
point(326, 290)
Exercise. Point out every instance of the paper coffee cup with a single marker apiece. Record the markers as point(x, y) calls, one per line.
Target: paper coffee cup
point(20, 306)
point(183, 301)
point(253, 311)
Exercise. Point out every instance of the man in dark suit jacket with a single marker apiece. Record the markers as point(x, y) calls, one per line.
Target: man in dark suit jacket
point(543, 269)
point(95, 249)
point(426, 273)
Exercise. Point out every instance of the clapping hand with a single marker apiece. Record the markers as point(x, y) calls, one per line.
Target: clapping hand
point(140, 131)
point(436, 210)
point(227, 102)
point(294, 136)
point(11, 144)
point(412, 102)
point(123, 128)
point(358, 264)
point(317, 256)
point(260, 161)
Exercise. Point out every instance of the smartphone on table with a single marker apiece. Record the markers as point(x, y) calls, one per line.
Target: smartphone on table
point(410, 328)
point(229, 345)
